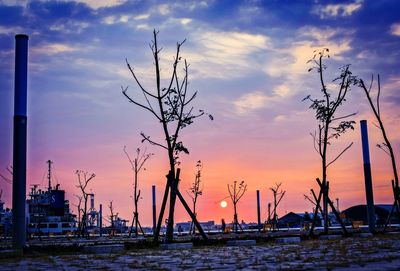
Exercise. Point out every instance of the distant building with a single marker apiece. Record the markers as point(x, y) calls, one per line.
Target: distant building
point(296, 220)
point(185, 226)
point(382, 211)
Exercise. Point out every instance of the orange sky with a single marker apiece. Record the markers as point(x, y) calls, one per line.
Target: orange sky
point(250, 74)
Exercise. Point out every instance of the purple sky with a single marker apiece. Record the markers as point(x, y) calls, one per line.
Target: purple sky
point(248, 63)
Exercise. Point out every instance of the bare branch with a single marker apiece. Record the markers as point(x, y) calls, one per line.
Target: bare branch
point(377, 97)
point(138, 82)
point(309, 199)
point(139, 104)
point(340, 154)
point(344, 117)
point(147, 138)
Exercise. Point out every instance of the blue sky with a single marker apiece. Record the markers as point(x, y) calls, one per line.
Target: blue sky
point(248, 62)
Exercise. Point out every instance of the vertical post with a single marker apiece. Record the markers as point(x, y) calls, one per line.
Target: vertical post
point(258, 211)
point(101, 219)
point(19, 142)
point(368, 176)
point(153, 190)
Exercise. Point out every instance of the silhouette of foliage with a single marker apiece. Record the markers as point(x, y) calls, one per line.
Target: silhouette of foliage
point(386, 146)
point(83, 181)
point(171, 106)
point(137, 165)
point(195, 191)
point(330, 126)
point(236, 192)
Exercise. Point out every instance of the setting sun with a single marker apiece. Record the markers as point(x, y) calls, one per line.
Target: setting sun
point(223, 204)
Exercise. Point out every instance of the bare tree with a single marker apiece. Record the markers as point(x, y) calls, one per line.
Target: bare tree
point(7, 179)
point(386, 146)
point(83, 180)
point(137, 165)
point(330, 126)
point(112, 215)
point(112, 218)
point(236, 192)
point(278, 195)
point(195, 190)
point(171, 106)
point(78, 206)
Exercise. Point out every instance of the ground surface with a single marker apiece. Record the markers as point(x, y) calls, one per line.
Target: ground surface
point(362, 253)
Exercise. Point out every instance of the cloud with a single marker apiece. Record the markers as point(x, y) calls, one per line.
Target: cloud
point(142, 16)
point(55, 48)
point(116, 19)
point(249, 102)
point(185, 21)
point(96, 4)
point(10, 30)
point(226, 54)
point(70, 27)
point(292, 60)
point(337, 10)
point(164, 9)
point(14, 2)
point(395, 29)
point(282, 90)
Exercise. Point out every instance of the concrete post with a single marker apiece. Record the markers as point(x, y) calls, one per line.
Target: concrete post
point(19, 142)
point(258, 211)
point(368, 176)
point(153, 190)
point(101, 219)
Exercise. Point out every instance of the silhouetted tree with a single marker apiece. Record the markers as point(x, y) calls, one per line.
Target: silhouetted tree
point(78, 206)
point(195, 191)
point(330, 126)
point(137, 165)
point(83, 181)
point(236, 192)
point(278, 195)
point(7, 179)
point(386, 146)
point(112, 215)
point(171, 107)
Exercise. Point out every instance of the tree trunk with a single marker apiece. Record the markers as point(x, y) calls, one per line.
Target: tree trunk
point(170, 225)
point(136, 200)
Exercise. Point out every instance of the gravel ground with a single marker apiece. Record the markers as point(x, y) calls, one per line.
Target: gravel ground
point(368, 253)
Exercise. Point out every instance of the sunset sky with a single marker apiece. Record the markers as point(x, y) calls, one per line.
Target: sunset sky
point(248, 64)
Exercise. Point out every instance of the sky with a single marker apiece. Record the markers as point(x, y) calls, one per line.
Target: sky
point(248, 62)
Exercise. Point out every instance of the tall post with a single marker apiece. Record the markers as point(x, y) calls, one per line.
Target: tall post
point(258, 211)
point(153, 190)
point(101, 219)
point(368, 176)
point(49, 162)
point(19, 142)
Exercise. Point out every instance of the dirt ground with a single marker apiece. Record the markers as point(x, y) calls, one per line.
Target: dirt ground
point(361, 253)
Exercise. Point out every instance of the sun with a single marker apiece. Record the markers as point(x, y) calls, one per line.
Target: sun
point(223, 204)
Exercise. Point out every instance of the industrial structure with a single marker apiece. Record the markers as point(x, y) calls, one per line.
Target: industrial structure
point(48, 210)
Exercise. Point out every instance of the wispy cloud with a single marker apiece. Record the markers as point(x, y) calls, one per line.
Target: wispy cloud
point(395, 29)
point(292, 59)
point(337, 10)
point(142, 16)
point(96, 4)
point(226, 54)
point(10, 30)
point(55, 48)
point(123, 18)
point(249, 102)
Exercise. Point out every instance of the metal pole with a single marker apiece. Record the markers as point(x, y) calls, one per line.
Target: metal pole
point(19, 142)
point(101, 219)
point(153, 190)
point(368, 176)
point(258, 211)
